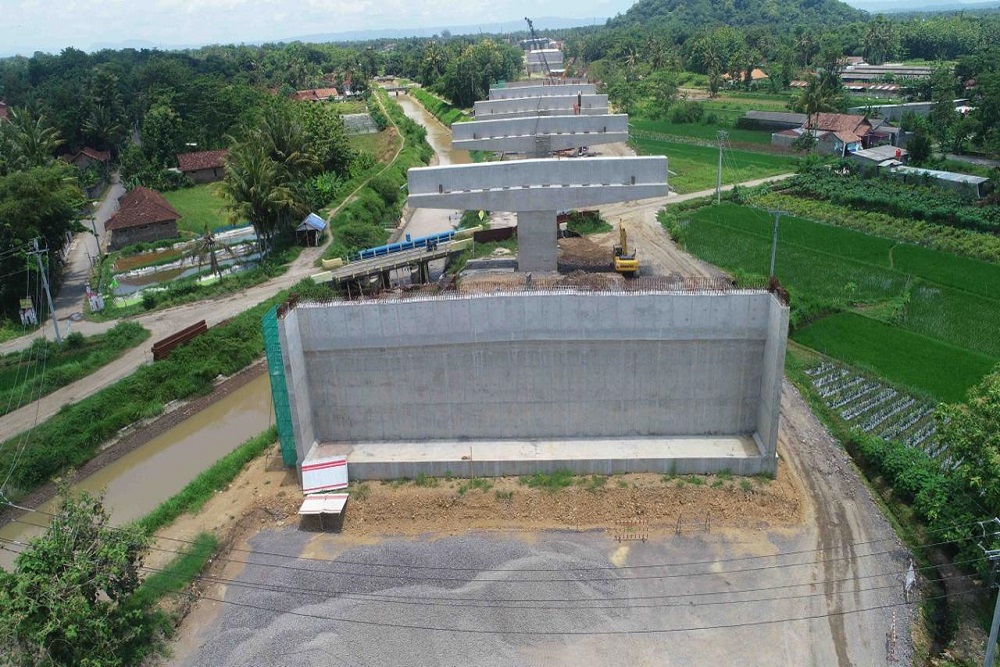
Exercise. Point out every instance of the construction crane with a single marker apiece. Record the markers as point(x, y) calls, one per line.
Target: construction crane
point(626, 262)
point(534, 40)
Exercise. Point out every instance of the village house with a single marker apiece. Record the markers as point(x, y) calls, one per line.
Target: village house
point(315, 95)
point(203, 166)
point(839, 134)
point(143, 216)
point(87, 157)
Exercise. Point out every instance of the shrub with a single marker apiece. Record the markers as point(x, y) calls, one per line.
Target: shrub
point(385, 188)
point(75, 340)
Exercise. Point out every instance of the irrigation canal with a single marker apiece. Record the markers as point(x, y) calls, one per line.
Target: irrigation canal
point(152, 473)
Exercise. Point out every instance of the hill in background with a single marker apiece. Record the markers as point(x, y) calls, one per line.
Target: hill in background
point(694, 14)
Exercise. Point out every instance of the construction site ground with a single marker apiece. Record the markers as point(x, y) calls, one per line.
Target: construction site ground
point(803, 570)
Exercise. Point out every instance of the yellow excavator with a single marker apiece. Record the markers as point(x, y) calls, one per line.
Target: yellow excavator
point(625, 261)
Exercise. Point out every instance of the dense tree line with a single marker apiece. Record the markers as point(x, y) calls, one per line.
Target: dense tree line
point(461, 69)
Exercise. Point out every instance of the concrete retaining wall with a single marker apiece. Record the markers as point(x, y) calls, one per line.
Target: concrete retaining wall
point(538, 365)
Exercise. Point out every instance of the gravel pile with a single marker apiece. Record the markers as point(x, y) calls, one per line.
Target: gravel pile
point(471, 590)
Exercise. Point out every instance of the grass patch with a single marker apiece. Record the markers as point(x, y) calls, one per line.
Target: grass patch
point(475, 484)
point(504, 496)
point(43, 367)
point(695, 167)
point(945, 371)
point(366, 219)
point(178, 573)
point(425, 481)
point(695, 480)
point(200, 207)
point(701, 131)
point(593, 483)
point(382, 145)
point(584, 224)
point(549, 481)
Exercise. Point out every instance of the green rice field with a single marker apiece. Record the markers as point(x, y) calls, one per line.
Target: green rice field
point(694, 167)
point(920, 317)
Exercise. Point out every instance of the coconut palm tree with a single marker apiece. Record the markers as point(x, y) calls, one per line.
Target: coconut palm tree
point(206, 249)
point(29, 142)
point(879, 41)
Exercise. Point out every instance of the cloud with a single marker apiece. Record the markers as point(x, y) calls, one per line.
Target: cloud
point(30, 25)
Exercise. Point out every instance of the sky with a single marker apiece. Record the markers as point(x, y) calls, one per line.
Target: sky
point(51, 25)
point(27, 26)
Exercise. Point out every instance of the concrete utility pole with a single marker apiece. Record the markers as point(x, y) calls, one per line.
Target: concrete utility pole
point(48, 295)
point(774, 242)
point(718, 179)
point(991, 531)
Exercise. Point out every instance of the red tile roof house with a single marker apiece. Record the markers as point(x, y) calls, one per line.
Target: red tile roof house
point(86, 157)
point(315, 95)
point(203, 166)
point(836, 133)
point(143, 215)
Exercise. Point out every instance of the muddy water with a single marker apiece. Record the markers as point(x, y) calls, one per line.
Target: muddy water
point(426, 221)
point(438, 135)
point(145, 477)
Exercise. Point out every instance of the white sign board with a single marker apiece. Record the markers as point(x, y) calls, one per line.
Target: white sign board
point(324, 474)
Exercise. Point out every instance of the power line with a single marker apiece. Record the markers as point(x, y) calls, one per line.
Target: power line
point(514, 581)
point(428, 598)
point(541, 633)
point(676, 564)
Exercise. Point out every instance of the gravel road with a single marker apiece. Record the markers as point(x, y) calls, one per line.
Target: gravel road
point(755, 597)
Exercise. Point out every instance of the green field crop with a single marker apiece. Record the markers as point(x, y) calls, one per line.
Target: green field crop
point(828, 267)
point(961, 318)
point(199, 207)
point(694, 167)
point(943, 268)
point(739, 239)
point(701, 131)
point(945, 371)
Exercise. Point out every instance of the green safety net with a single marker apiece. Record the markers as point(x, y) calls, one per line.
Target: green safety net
point(279, 389)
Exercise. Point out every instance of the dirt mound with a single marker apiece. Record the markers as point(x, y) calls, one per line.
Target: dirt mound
point(583, 252)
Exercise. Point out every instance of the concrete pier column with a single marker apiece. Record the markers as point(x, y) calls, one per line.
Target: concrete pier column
point(386, 279)
point(536, 241)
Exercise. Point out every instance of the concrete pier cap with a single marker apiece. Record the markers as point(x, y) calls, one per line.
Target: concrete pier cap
point(536, 190)
point(520, 135)
point(543, 91)
point(556, 105)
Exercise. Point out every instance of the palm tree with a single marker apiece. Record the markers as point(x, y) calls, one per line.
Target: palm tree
point(206, 249)
point(821, 94)
point(259, 190)
point(879, 40)
point(30, 143)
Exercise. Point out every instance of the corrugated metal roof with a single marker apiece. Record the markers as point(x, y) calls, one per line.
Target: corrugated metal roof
point(943, 175)
point(312, 221)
